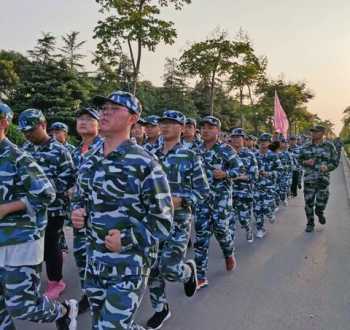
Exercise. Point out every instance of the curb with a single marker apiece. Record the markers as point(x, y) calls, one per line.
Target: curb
point(346, 166)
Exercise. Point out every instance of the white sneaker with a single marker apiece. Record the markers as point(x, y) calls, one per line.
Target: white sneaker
point(69, 321)
point(272, 218)
point(260, 233)
point(285, 203)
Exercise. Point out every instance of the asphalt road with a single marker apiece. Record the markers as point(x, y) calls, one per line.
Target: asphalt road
point(289, 280)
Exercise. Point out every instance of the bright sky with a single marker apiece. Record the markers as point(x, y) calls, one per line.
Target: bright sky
point(306, 40)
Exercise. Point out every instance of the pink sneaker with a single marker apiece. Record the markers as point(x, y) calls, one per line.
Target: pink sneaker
point(54, 289)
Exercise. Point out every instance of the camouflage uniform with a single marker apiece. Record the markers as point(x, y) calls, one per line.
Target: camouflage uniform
point(22, 179)
point(266, 186)
point(79, 235)
point(128, 191)
point(338, 144)
point(285, 175)
point(297, 171)
point(152, 147)
point(187, 180)
point(57, 164)
point(243, 190)
point(316, 184)
point(213, 215)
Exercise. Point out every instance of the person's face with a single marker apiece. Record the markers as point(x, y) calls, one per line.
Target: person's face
point(264, 145)
point(37, 134)
point(152, 131)
point(4, 124)
point(170, 130)
point(237, 141)
point(115, 119)
point(87, 125)
point(283, 146)
point(248, 143)
point(189, 131)
point(317, 135)
point(292, 142)
point(59, 135)
point(138, 131)
point(209, 132)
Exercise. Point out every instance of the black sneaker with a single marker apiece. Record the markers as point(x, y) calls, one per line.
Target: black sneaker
point(158, 319)
point(83, 305)
point(191, 285)
point(309, 228)
point(321, 218)
point(69, 320)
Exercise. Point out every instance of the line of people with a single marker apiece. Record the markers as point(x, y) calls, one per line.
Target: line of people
point(131, 191)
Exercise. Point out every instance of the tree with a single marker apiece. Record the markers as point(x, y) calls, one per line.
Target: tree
point(43, 52)
point(133, 26)
point(70, 50)
point(8, 78)
point(209, 60)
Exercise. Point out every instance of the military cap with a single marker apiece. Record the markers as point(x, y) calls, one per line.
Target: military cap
point(292, 138)
point(121, 98)
point(5, 111)
point(191, 121)
point(318, 128)
point(89, 111)
point(238, 132)
point(173, 115)
point(29, 118)
point(152, 120)
point(59, 126)
point(265, 137)
point(211, 120)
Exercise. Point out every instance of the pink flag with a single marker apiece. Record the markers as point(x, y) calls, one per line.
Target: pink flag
point(281, 123)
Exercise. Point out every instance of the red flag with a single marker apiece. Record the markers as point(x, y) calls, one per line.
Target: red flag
point(281, 123)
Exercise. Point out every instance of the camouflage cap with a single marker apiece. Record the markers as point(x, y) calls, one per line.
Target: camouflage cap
point(59, 126)
point(29, 118)
point(238, 132)
point(121, 98)
point(211, 120)
point(89, 111)
point(173, 115)
point(191, 121)
point(152, 120)
point(265, 137)
point(5, 111)
point(318, 128)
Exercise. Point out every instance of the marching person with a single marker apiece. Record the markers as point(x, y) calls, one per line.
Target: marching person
point(123, 200)
point(152, 130)
point(59, 131)
point(57, 164)
point(25, 194)
point(318, 158)
point(221, 165)
point(87, 126)
point(188, 185)
point(243, 185)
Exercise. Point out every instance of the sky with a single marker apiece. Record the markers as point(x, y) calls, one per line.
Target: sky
point(304, 40)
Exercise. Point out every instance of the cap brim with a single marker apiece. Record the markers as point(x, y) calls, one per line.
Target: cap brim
point(101, 100)
point(208, 122)
point(171, 119)
point(86, 112)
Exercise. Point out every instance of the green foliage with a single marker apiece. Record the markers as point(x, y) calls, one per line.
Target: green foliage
point(14, 135)
point(133, 25)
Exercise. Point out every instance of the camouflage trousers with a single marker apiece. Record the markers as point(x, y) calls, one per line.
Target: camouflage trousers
point(264, 204)
point(242, 209)
point(316, 199)
point(170, 265)
point(114, 298)
point(79, 251)
point(284, 186)
point(212, 220)
point(20, 297)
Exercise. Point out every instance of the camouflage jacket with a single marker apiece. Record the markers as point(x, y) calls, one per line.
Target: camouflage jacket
point(288, 162)
point(194, 145)
point(78, 157)
point(295, 150)
point(69, 147)
point(153, 147)
point(128, 191)
point(22, 179)
point(243, 188)
point(220, 156)
point(57, 164)
point(185, 174)
point(323, 154)
point(271, 164)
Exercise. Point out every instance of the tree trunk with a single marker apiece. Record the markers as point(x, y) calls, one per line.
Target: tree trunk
point(240, 107)
point(212, 90)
